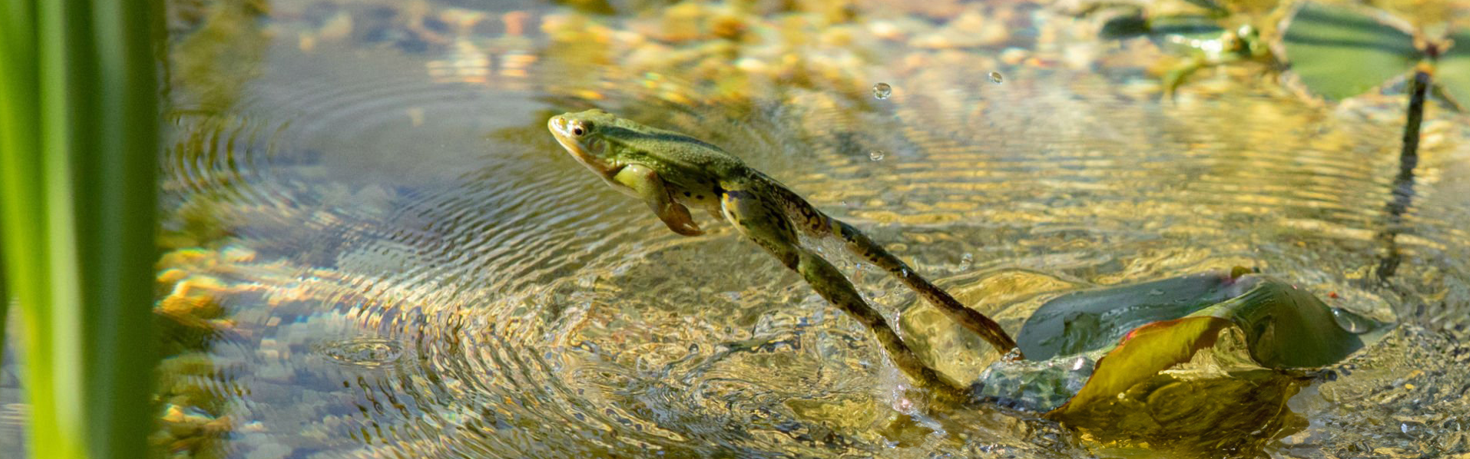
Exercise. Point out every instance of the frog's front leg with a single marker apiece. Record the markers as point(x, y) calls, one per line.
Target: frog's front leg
point(646, 183)
point(766, 224)
point(1175, 76)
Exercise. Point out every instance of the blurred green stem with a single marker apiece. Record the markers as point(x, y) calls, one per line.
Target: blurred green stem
point(78, 157)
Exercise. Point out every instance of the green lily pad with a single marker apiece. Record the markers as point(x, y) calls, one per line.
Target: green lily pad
point(1453, 69)
point(1340, 52)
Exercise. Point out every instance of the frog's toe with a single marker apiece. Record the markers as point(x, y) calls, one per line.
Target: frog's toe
point(685, 228)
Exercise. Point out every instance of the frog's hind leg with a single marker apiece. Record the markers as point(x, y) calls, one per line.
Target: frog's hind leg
point(860, 245)
point(768, 226)
point(816, 224)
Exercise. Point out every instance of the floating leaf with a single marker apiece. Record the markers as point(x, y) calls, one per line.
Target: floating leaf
point(1145, 352)
point(1341, 52)
point(1283, 327)
point(1097, 319)
point(1453, 69)
point(1136, 331)
point(1177, 359)
point(1286, 327)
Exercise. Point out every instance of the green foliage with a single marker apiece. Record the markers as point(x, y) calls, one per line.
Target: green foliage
point(1149, 327)
point(4, 295)
point(1340, 52)
point(1452, 70)
point(1097, 319)
point(1220, 335)
point(1146, 351)
point(78, 157)
point(1286, 327)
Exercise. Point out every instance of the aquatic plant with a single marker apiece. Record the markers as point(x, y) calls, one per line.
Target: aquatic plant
point(1172, 361)
point(1339, 52)
point(78, 149)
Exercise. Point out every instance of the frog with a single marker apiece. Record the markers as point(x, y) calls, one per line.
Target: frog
point(671, 172)
point(1196, 37)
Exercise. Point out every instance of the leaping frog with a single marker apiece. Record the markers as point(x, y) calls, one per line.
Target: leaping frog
point(671, 172)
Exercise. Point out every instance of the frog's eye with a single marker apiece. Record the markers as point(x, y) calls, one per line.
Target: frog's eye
point(581, 128)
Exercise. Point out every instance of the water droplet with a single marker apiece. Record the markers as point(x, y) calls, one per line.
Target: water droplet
point(1353, 323)
point(876, 155)
point(882, 91)
point(996, 78)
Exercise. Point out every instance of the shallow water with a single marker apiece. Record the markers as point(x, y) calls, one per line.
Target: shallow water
point(409, 266)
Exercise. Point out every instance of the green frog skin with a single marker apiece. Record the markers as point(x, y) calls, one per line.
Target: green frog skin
point(671, 172)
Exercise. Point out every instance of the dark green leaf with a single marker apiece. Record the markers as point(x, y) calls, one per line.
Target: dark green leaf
point(78, 151)
point(1287, 327)
point(1097, 319)
point(1150, 327)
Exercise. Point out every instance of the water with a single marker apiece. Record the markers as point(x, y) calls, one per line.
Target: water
point(406, 264)
point(882, 91)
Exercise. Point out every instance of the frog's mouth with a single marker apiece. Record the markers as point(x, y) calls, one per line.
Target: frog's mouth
point(579, 150)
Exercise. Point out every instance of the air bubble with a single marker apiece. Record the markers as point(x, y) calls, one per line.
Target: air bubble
point(882, 91)
point(876, 155)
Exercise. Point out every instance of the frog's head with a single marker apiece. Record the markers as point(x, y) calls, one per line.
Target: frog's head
point(583, 135)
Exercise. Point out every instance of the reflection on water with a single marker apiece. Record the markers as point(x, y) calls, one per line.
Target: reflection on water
point(381, 252)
